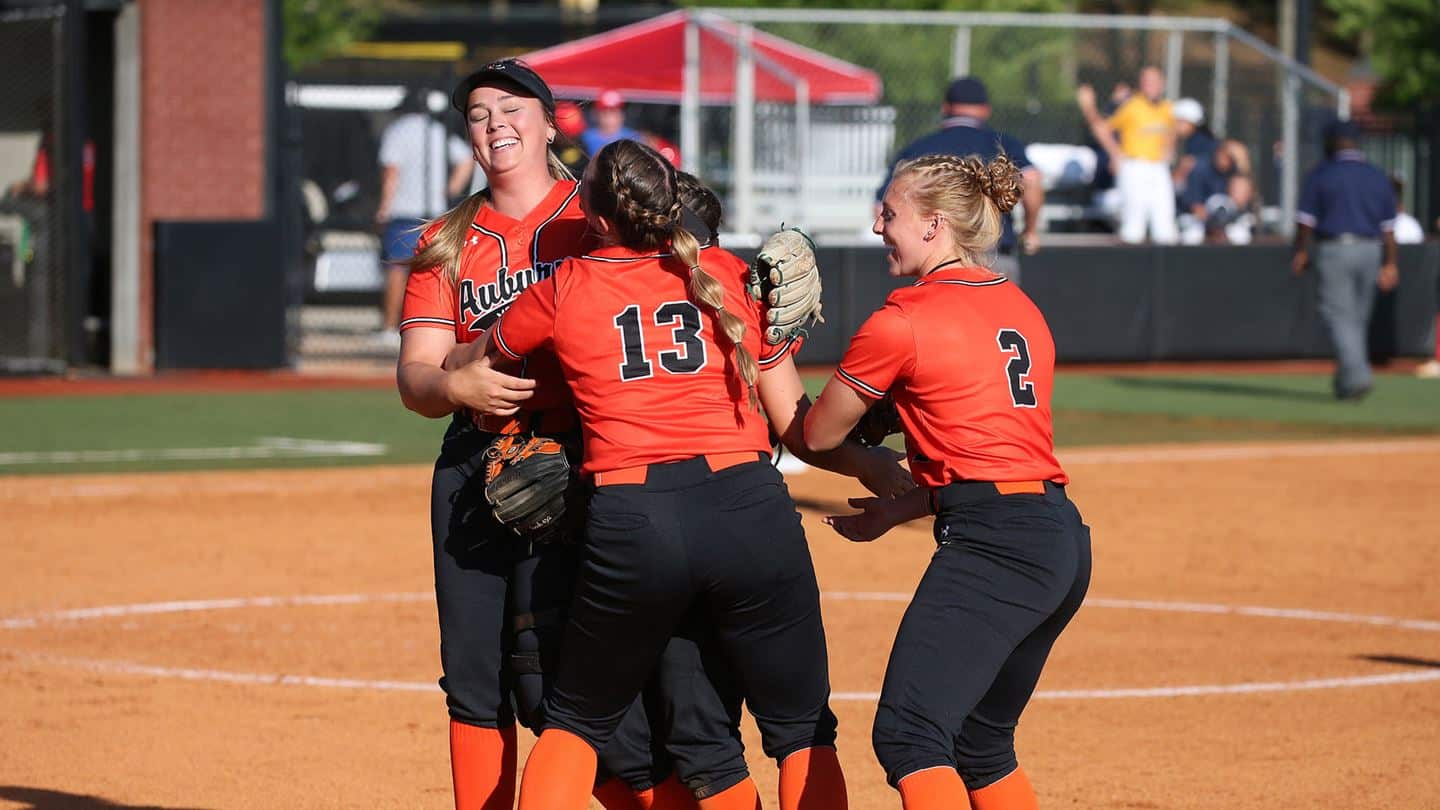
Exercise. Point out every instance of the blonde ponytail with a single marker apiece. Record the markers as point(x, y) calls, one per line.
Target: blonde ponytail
point(706, 290)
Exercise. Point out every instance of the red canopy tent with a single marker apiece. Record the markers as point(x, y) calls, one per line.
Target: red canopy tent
point(645, 61)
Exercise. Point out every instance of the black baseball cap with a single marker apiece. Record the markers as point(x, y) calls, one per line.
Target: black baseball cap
point(1342, 129)
point(510, 72)
point(966, 90)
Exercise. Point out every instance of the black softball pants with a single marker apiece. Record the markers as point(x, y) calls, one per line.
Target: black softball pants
point(727, 545)
point(1009, 573)
point(501, 607)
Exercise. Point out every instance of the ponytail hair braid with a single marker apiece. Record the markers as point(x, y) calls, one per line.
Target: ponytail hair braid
point(641, 195)
point(706, 290)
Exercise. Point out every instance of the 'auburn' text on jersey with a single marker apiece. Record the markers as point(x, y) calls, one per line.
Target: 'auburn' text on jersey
point(502, 256)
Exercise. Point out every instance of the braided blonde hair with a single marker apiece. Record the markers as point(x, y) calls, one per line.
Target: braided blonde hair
point(637, 190)
point(970, 193)
point(444, 248)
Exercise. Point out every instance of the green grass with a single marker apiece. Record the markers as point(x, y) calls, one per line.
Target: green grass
point(229, 419)
point(1089, 409)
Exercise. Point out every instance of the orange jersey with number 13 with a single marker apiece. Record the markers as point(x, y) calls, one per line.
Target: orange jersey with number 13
point(650, 378)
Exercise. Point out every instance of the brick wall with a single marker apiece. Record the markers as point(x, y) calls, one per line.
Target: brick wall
point(203, 117)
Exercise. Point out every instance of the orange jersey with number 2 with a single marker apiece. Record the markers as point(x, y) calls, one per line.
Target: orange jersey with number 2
point(971, 365)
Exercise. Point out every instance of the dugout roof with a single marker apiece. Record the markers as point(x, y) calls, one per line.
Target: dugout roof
point(645, 62)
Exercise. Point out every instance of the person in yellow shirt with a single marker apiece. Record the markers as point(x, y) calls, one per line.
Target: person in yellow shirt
point(1146, 128)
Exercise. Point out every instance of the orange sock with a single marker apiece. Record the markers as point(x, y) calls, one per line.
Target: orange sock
point(811, 779)
point(559, 774)
point(740, 796)
point(614, 794)
point(668, 795)
point(1012, 792)
point(482, 764)
point(938, 788)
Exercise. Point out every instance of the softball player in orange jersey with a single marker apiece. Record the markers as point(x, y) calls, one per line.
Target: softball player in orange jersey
point(490, 589)
point(969, 361)
point(659, 343)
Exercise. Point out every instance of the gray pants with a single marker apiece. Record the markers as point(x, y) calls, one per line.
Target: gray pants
point(1348, 272)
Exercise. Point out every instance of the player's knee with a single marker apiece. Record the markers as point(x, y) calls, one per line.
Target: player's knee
point(713, 781)
point(782, 737)
point(985, 752)
point(476, 703)
point(904, 748)
point(529, 658)
point(983, 771)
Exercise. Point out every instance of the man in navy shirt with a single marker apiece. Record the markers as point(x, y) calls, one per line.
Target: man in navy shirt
point(1199, 142)
point(1348, 207)
point(964, 132)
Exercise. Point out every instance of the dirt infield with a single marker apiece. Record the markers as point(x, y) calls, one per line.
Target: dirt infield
point(1263, 631)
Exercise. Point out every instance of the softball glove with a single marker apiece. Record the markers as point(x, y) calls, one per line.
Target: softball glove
point(528, 483)
point(785, 278)
point(878, 423)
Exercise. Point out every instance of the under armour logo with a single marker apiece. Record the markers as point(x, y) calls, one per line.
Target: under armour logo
point(474, 240)
point(944, 531)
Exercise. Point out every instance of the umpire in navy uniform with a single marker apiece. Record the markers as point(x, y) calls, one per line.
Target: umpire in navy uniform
point(964, 132)
point(1347, 206)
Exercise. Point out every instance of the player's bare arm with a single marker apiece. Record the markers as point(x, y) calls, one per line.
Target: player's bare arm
point(783, 396)
point(1034, 199)
point(1099, 127)
point(429, 389)
point(833, 415)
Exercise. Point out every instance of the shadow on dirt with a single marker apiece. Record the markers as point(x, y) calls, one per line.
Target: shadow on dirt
point(1401, 660)
point(1224, 387)
point(44, 799)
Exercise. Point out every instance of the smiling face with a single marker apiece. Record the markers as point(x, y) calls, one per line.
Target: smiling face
point(904, 229)
point(1152, 83)
point(507, 131)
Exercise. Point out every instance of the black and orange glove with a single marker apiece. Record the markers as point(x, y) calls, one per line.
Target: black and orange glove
point(529, 485)
point(878, 423)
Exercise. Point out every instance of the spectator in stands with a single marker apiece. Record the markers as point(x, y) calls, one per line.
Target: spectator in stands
point(422, 167)
point(1210, 180)
point(964, 131)
point(570, 120)
point(1230, 216)
point(1146, 126)
point(1198, 142)
point(1408, 230)
point(609, 124)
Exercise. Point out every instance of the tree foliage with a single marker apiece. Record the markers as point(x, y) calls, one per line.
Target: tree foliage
point(1402, 37)
point(319, 29)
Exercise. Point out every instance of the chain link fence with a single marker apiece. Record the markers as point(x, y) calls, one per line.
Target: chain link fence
point(378, 159)
point(31, 256)
point(817, 164)
point(1032, 66)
